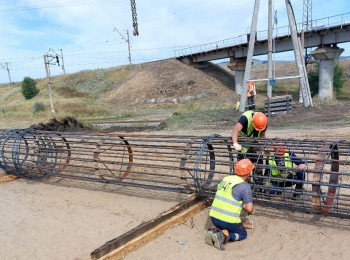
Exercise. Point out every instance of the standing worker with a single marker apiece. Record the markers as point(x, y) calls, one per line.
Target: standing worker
point(251, 94)
point(232, 194)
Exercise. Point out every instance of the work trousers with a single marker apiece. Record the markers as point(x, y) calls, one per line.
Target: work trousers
point(300, 176)
point(251, 103)
point(236, 230)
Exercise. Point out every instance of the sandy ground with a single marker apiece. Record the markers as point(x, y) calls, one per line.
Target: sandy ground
point(55, 220)
point(67, 220)
point(276, 235)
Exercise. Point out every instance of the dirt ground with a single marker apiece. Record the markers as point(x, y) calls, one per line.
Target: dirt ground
point(62, 219)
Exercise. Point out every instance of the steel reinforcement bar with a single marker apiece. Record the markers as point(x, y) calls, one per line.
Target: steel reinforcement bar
point(321, 182)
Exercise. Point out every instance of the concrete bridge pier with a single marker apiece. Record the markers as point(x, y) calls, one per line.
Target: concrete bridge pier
point(238, 65)
point(326, 56)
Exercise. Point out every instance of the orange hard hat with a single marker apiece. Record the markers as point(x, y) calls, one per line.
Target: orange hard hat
point(244, 167)
point(251, 82)
point(259, 121)
point(280, 148)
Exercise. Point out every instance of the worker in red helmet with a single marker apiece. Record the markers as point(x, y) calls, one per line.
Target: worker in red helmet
point(288, 176)
point(233, 193)
point(251, 94)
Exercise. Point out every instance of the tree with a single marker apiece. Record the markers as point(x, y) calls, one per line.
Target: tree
point(29, 89)
point(338, 79)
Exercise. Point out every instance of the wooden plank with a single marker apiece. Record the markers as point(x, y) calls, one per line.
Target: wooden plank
point(279, 99)
point(145, 232)
point(277, 110)
point(7, 178)
point(284, 104)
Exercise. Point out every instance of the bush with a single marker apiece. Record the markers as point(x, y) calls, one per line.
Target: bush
point(39, 106)
point(29, 89)
point(338, 80)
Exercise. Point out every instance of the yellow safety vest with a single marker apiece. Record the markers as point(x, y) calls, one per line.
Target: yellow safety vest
point(249, 115)
point(225, 207)
point(277, 173)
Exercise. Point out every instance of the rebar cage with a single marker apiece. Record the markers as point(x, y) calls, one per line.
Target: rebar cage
point(317, 181)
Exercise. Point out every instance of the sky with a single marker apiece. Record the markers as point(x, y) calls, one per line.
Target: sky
point(92, 33)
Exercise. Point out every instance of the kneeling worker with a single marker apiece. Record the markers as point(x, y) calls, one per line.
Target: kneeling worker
point(284, 178)
point(232, 194)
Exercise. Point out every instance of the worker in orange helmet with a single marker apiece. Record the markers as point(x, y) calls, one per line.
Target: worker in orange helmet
point(284, 178)
point(233, 193)
point(251, 94)
point(250, 124)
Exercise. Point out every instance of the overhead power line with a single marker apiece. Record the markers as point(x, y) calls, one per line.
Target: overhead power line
point(67, 4)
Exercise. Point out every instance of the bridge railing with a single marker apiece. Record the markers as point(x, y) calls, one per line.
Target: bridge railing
point(317, 24)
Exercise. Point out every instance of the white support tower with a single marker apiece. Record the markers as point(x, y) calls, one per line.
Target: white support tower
point(298, 53)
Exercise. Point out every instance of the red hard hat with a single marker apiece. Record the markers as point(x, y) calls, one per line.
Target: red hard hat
point(280, 148)
point(259, 121)
point(244, 167)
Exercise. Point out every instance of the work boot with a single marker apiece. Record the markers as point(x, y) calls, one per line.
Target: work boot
point(208, 237)
point(219, 239)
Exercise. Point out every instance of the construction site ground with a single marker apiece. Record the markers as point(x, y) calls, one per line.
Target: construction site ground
point(63, 219)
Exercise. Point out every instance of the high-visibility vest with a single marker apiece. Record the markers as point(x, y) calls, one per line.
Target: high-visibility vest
point(251, 87)
point(225, 207)
point(277, 173)
point(249, 115)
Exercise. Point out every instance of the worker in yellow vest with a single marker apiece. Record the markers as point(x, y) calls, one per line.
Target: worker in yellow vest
point(251, 94)
point(289, 176)
point(250, 124)
point(233, 193)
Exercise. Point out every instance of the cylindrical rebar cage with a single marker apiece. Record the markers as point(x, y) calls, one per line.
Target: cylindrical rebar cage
point(308, 175)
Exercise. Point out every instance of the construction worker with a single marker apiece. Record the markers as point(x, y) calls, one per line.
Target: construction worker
point(251, 94)
point(284, 178)
point(250, 124)
point(232, 194)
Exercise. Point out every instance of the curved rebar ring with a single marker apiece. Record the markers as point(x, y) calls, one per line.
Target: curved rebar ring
point(97, 159)
point(333, 178)
point(16, 153)
point(184, 171)
point(200, 187)
point(327, 151)
point(6, 167)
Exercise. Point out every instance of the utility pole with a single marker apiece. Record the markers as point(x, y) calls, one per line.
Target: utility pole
point(307, 24)
point(127, 40)
point(8, 70)
point(47, 68)
point(269, 51)
point(303, 80)
point(64, 70)
point(248, 65)
point(57, 57)
point(134, 18)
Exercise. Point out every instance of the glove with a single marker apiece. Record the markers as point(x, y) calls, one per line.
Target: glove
point(251, 92)
point(237, 147)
